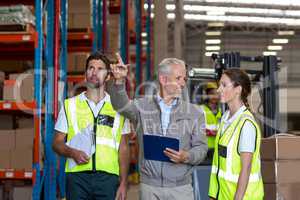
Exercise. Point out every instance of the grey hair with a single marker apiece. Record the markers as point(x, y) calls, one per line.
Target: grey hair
point(164, 65)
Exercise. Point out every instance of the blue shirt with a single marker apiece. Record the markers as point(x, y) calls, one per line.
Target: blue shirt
point(165, 113)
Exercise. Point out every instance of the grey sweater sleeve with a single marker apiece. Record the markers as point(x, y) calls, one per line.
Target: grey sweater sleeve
point(120, 101)
point(198, 141)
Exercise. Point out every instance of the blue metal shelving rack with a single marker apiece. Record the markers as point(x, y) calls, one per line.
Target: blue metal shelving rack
point(38, 59)
point(50, 157)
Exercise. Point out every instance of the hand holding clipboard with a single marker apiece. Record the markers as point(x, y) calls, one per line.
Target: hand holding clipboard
point(161, 148)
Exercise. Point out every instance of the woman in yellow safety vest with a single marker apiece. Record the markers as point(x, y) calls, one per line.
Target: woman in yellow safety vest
point(236, 173)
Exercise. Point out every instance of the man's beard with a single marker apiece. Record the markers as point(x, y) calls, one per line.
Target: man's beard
point(93, 85)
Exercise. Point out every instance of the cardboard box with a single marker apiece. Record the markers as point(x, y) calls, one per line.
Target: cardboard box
point(4, 159)
point(80, 20)
point(22, 158)
point(24, 138)
point(7, 139)
point(7, 122)
point(76, 62)
point(8, 90)
point(25, 122)
point(280, 147)
point(19, 87)
point(79, 6)
point(283, 171)
point(22, 193)
point(282, 191)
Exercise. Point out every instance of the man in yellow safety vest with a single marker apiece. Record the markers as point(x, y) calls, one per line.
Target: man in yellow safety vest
point(96, 146)
point(212, 113)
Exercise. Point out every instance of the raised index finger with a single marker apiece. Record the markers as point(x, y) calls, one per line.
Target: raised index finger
point(120, 61)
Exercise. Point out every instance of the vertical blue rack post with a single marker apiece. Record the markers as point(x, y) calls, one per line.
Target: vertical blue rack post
point(38, 57)
point(148, 50)
point(124, 30)
point(95, 23)
point(63, 79)
point(138, 30)
point(50, 158)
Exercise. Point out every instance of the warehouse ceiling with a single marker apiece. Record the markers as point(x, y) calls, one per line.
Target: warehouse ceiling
point(251, 27)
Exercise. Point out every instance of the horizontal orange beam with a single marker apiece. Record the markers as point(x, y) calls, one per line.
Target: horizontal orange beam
point(75, 78)
point(10, 105)
point(80, 36)
point(16, 174)
point(18, 37)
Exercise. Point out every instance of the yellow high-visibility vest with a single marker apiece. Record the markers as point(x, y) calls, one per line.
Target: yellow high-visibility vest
point(108, 127)
point(211, 123)
point(226, 166)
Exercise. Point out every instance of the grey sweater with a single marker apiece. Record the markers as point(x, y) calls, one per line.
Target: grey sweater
point(186, 123)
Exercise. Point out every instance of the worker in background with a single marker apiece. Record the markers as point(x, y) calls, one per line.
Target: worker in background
point(212, 113)
point(164, 113)
point(236, 172)
point(89, 122)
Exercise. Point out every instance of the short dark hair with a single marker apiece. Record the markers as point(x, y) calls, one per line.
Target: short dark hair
point(98, 56)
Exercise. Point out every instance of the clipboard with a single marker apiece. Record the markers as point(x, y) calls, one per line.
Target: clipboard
point(155, 145)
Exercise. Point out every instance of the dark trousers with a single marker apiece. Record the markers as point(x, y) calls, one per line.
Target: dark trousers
point(91, 186)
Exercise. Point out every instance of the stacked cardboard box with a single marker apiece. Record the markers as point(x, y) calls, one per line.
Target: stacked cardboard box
point(79, 14)
point(7, 144)
point(22, 193)
point(21, 156)
point(2, 78)
point(7, 121)
point(19, 87)
point(16, 149)
point(280, 167)
point(76, 62)
point(114, 21)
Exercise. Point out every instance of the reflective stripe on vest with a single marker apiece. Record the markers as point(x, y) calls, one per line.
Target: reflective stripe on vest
point(108, 136)
point(226, 165)
point(234, 177)
point(73, 115)
point(211, 120)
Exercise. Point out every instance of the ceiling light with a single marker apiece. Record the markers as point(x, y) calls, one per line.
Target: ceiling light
point(144, 42)
point(286, 32)
point(210, 53)
point(265, 2)
point(264, 20)
point(170, 7)
point(215, 12)
point(274, 47)
point(269, 53)
point(213, 24)
point(144, 34)
point(171, 16)
point(146, 6)
point(213, 41)
point(280, 41)
point(213, 33)
point(243, 10)
point(212, 48)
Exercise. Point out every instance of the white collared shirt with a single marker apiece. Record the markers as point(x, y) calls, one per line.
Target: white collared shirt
point(61, 124)
point(248, 132)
